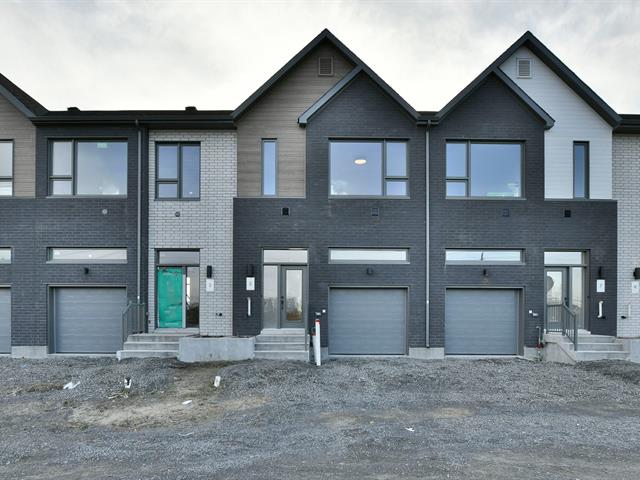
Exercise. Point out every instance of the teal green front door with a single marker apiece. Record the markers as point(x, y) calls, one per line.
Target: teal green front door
point(171, 306)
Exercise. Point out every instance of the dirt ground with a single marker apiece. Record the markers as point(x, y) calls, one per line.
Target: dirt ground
point(360, 418)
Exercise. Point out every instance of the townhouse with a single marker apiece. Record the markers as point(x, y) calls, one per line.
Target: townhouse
point(505, 218)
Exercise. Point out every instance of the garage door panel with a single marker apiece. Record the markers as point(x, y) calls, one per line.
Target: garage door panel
point(5, 320)
point(481, 322)
point(367, 321)
point(88, 320)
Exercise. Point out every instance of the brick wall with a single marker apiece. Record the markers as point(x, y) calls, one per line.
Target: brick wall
point(626, 179)
point(206, 224)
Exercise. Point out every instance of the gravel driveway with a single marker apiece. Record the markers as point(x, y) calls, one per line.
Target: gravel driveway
point(350, 419)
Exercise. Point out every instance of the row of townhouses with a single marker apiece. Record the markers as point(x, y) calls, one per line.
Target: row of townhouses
point(325, 195)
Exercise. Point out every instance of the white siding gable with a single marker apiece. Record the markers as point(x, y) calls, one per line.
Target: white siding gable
point(575, 120)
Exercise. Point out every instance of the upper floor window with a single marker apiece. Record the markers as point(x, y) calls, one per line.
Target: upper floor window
point(580, 169)
point(369, 168)
point(5, 255)
point(269, 167)
point(88, 167)
point(178, 171)
point(6, 168)
point(484, 169)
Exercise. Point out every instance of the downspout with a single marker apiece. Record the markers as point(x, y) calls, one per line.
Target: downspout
point(426, 329)
point(139, 214)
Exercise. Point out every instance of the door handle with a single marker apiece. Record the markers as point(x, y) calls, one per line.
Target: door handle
point(282, 302)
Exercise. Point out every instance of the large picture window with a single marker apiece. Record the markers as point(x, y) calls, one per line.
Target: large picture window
point(369, 168)
point(484, 169)
point(6, 168)
point(88, 167)
point(178, 171)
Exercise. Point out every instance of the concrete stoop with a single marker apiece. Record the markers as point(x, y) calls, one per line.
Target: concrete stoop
point(282, 344)
point(558, 348)
point(146, 345)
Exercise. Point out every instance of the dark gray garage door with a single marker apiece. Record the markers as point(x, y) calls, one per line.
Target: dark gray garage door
point(481, 322)
point(367, 321)
point(88, 320)
point(5, 320)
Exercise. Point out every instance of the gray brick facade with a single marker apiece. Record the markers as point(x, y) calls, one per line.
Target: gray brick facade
point(533, 223)
point(318, 222)
point(626, 178)
point(205, 224)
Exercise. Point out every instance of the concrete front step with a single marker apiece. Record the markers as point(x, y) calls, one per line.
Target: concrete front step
point(139, 345)
point(275, 346)
point(122, 354)
point(596, 339)
point(281, 338)
point(302, 356)
point(156, 337)
point(592, 355)
point(599, 346)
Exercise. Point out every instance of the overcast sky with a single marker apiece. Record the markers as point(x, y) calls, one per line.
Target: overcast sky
point(213, 54)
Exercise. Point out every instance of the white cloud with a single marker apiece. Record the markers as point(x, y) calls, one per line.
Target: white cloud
point(213, 54)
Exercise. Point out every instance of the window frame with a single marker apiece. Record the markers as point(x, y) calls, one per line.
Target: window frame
point(522, 260)
point(177, 181)
point(73, 178)
point(384, 177)
point(275, 166)
point(51, 260)
point(467, 178)
point(406, 250)
point(10, 179)
point(587, 158)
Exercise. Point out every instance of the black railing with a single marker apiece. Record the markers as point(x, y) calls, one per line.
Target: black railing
point(134, 319)
point(561, 319)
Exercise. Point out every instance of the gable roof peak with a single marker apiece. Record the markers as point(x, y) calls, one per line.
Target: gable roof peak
point(26, 104)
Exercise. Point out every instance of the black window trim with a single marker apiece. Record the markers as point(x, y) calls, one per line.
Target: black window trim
point(384, 177)
point(177, 181)
point(13, 168)
point(587, 158)
point(467, 178)
point(74, 164)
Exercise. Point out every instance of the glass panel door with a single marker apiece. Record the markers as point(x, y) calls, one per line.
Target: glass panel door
point(292, 301)
point(556, 297)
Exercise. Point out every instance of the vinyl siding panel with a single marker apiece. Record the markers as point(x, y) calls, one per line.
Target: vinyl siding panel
point(276, 116)
point(575, 121)
point(15, 126)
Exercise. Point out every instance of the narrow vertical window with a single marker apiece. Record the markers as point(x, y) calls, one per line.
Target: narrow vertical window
point(269, 167)
point(6, 168)
point(580, 170)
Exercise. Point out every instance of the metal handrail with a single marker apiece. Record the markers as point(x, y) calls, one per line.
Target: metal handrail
point(562, 319)
point(134, 319)
point(570, 326)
